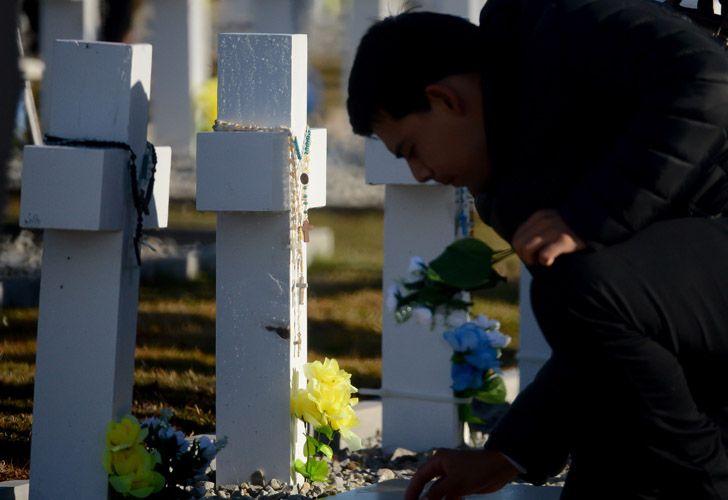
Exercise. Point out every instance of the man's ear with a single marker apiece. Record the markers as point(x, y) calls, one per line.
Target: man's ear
point(442, 95)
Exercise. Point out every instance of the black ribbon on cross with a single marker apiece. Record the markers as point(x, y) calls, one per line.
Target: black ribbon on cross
point(141, 197)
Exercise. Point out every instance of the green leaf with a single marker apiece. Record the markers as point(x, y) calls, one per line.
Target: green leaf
point(300, 467)
point(327, 451)
point(432, 275)
point(466, 264)
point(122, 484)
point(327, 431)
point(318, 470)
point(311, 446)
point(465, 412)
point(493, 391)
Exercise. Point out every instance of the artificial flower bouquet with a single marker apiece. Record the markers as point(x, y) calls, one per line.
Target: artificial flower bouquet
point(475, 369)
point(437, 293)
point(326, 406)
point(153, 459)
point(436, 290)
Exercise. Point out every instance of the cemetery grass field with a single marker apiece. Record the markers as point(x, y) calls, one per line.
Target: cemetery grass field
point(175, 360)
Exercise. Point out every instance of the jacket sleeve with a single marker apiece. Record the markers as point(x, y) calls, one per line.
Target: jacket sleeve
point(532, 433)
point(677, 78)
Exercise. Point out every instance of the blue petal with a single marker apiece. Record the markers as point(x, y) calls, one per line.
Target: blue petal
point(465, 376)
point(483, 359)
point(453, 340)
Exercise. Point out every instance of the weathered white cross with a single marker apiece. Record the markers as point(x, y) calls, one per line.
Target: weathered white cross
point(68, 20)
point(180, 33)
point(418, 411)
point(246, 176)
point(81, 197)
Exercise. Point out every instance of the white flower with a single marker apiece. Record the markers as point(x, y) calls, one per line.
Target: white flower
point(416, 264)
point(390, 300)
point(497, 339)
point(439, 319)
point(422, 316)
point(456, 319)
point(486, 323)
point(415, 271)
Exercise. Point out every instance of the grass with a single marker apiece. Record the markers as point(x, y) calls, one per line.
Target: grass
point(175, 355)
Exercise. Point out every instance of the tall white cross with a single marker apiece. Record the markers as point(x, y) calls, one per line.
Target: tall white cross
point(419, 411)
point(246, 176)
point(180, 33)
point(69, 20)
point(81, 197)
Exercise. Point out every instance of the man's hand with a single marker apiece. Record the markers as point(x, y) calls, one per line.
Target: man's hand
point(461, 472)
point(543, 237)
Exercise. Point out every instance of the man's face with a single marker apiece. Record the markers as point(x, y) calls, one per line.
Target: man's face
point(441, 144)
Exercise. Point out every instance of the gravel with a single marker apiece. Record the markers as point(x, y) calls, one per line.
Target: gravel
point(347, 471)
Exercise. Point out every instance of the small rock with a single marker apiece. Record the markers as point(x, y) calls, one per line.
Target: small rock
point(352, 465)
point(318, 488)
point(304, 488)
point(385, 474)
point(257, 478)
point(223, 494)
point(276, 484)
point(404, 454)
point(208, 485)
point(339, 483)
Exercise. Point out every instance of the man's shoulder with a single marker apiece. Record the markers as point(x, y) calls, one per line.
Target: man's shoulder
point(496, 10)
point(510, 17)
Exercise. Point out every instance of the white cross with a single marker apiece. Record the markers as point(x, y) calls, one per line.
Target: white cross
point(245, 176)
point(90, 277)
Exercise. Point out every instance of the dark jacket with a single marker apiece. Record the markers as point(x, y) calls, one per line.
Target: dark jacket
point(611, 111)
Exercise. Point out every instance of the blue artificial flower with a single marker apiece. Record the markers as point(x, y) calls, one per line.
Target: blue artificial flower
point(465, 376)
point(465, 337)
point(207, 448)
point(484, 357)
point(182, 444)
point(151, 422)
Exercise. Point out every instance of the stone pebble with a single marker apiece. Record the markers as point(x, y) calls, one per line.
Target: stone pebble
point(347, 471)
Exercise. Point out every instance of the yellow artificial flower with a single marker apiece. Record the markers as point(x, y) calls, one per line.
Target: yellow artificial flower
point(140, 484)
point(131, 471)
point(145, 482)
point(304, 407)
point(206, 105)
point(326, 400)
point(327, 373)
point(124, 434)
point(131, 460)
point(344, 420)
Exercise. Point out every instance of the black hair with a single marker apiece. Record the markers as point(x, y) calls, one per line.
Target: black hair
point(399, 56)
